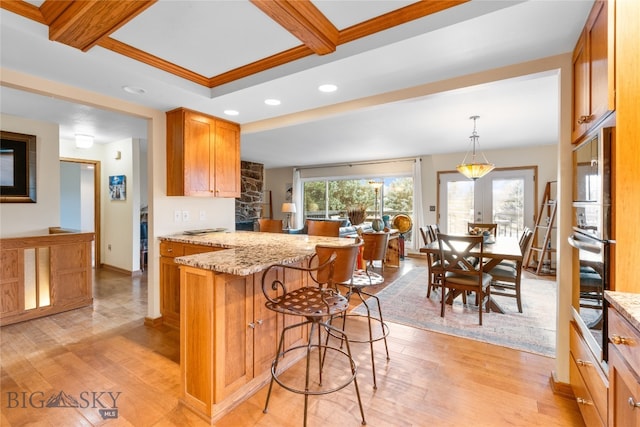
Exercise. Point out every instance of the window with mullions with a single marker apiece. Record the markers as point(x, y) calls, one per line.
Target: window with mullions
point(326, 198)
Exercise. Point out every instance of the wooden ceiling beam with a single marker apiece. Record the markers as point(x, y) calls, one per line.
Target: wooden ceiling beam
point(396, 17)
point(23, 8)
point(302, 19)
point(82, 24)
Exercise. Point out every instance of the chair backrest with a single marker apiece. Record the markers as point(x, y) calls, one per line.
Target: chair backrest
point(323, 228)
point(341, 270)
point(459, 253)
point(270, 225)
point(434, 229)
point(525, 241)
point(424, 232)
point(375, 246)
point(491, 227)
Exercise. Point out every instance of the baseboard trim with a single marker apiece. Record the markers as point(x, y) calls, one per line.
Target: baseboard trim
point(561, 389)
point(119, 270)
point(153, 322)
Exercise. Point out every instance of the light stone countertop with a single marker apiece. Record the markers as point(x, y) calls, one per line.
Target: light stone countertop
point(627, 304)
point(249, 252)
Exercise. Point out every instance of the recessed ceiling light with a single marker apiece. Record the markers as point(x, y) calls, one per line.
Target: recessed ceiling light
point(327, 88)
point(231, 112)
point(272, 101)
point(134, 90)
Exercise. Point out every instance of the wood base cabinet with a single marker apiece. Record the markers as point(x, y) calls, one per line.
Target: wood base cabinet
point(228, 338)
point(170, 278)
point(624, 372)
point(588, 380)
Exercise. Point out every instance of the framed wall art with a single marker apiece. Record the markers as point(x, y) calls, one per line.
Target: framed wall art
point(117, 187)
point(17, 168)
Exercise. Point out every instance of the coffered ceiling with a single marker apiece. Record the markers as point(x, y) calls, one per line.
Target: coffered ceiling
point(386, 57)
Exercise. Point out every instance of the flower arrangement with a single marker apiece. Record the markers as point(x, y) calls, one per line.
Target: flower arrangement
point(357, 214)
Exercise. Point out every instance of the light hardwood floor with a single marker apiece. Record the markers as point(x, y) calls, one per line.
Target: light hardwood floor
point(106, 353)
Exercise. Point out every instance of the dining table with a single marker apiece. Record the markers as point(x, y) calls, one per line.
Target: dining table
point(494, 251)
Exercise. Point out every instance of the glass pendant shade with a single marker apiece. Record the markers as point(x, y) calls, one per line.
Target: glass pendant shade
point(474, 169)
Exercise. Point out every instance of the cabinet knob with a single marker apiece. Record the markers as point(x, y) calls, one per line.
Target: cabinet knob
point(581, 362)
point(632, 403)
point(583, 401)
point(170, 250)
point(252, 325)
point(617, 339)
point(259, 321)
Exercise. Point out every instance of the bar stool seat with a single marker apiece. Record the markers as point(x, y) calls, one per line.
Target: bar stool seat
point(316, 303)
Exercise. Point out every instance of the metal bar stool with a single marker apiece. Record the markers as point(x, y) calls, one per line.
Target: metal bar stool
point(375, 248)
point(317, 302)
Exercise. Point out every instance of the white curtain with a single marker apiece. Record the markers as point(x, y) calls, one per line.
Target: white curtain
point(418, 215)
point(296, 198)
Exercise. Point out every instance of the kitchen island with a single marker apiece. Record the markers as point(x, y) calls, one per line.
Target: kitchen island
point(228, 338)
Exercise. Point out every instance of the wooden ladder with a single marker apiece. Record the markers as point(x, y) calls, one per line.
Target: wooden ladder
point(540, 257)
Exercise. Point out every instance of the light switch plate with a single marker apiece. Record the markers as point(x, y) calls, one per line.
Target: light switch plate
point(177, 216)
point(185, 216)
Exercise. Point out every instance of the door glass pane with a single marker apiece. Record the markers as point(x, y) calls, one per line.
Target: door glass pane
point(459, 205)
point(315, 199)
point(508, 205)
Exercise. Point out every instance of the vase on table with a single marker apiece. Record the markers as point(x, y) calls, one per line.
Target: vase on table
point(377, 224)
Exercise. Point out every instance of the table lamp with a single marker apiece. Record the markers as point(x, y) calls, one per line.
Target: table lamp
point(288, 208)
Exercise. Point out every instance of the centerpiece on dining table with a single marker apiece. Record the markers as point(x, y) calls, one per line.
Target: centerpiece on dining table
point(486, 234)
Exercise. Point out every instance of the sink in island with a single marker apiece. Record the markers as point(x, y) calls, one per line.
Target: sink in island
point(227, 336)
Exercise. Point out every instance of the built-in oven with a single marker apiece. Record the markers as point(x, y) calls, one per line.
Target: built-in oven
point(592, 233)
point(593, 257)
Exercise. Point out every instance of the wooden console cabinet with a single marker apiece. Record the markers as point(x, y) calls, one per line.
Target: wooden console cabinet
point(203, 155)
point(170, 278)
point(624, 372)
point(593, 70)
point(228, 338)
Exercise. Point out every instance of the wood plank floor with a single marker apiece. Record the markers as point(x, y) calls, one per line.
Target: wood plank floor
point(104, 355)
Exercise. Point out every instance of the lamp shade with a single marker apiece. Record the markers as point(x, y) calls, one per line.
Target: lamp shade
point(475, 170)
point(289, 208)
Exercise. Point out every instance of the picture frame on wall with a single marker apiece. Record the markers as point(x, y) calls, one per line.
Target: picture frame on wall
point(117, 187)
point(17, 168)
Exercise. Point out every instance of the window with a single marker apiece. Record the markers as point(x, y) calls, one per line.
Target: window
point(332, 197)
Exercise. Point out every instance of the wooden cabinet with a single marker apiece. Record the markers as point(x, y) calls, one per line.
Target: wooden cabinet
point(593, 70)
point(170, 278)
point(588, 380)
point(203, 155)
point(624, 371)
point(228, 338)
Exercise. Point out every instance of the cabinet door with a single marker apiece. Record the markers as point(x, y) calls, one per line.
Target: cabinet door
point(602, 86)
point(581, 100)
point(265, 325)
point(624, 392)
point(233, 336)
point(226, 166)
point(170, 291)
point(198, 134)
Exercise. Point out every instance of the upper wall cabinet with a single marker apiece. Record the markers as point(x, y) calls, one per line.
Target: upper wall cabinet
point(593, 70)
point(203, 155)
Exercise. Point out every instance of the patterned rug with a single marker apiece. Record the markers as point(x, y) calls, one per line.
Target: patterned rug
point(405, 301)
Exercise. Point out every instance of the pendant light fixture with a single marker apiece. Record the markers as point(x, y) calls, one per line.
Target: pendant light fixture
point(474, 169)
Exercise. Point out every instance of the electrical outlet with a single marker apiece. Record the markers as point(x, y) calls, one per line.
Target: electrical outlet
point(203, 215)
point(186, 216)
point(177, 216)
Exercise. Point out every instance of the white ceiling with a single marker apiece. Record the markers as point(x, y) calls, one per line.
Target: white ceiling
point(375, 114)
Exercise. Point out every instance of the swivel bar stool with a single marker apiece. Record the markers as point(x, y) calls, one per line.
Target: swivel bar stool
point(317, 302)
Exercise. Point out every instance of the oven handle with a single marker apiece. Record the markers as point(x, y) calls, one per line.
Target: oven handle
point(595, 248)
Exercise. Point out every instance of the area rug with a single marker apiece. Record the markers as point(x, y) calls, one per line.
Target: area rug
point(405, 301)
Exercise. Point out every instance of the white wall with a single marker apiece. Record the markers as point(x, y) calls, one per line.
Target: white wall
point(21, 219)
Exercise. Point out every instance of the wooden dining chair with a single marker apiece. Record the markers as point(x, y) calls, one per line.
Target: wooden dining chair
point(323, 228)
point(270, 225)
point(460, 275)
point(375, 248)
point(425, 234)
point(507, 274)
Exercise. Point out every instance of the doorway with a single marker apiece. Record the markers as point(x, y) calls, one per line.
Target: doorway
point(505, 197)
point(80, 199)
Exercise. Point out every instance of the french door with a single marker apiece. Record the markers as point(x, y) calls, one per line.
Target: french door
point(504, 197)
